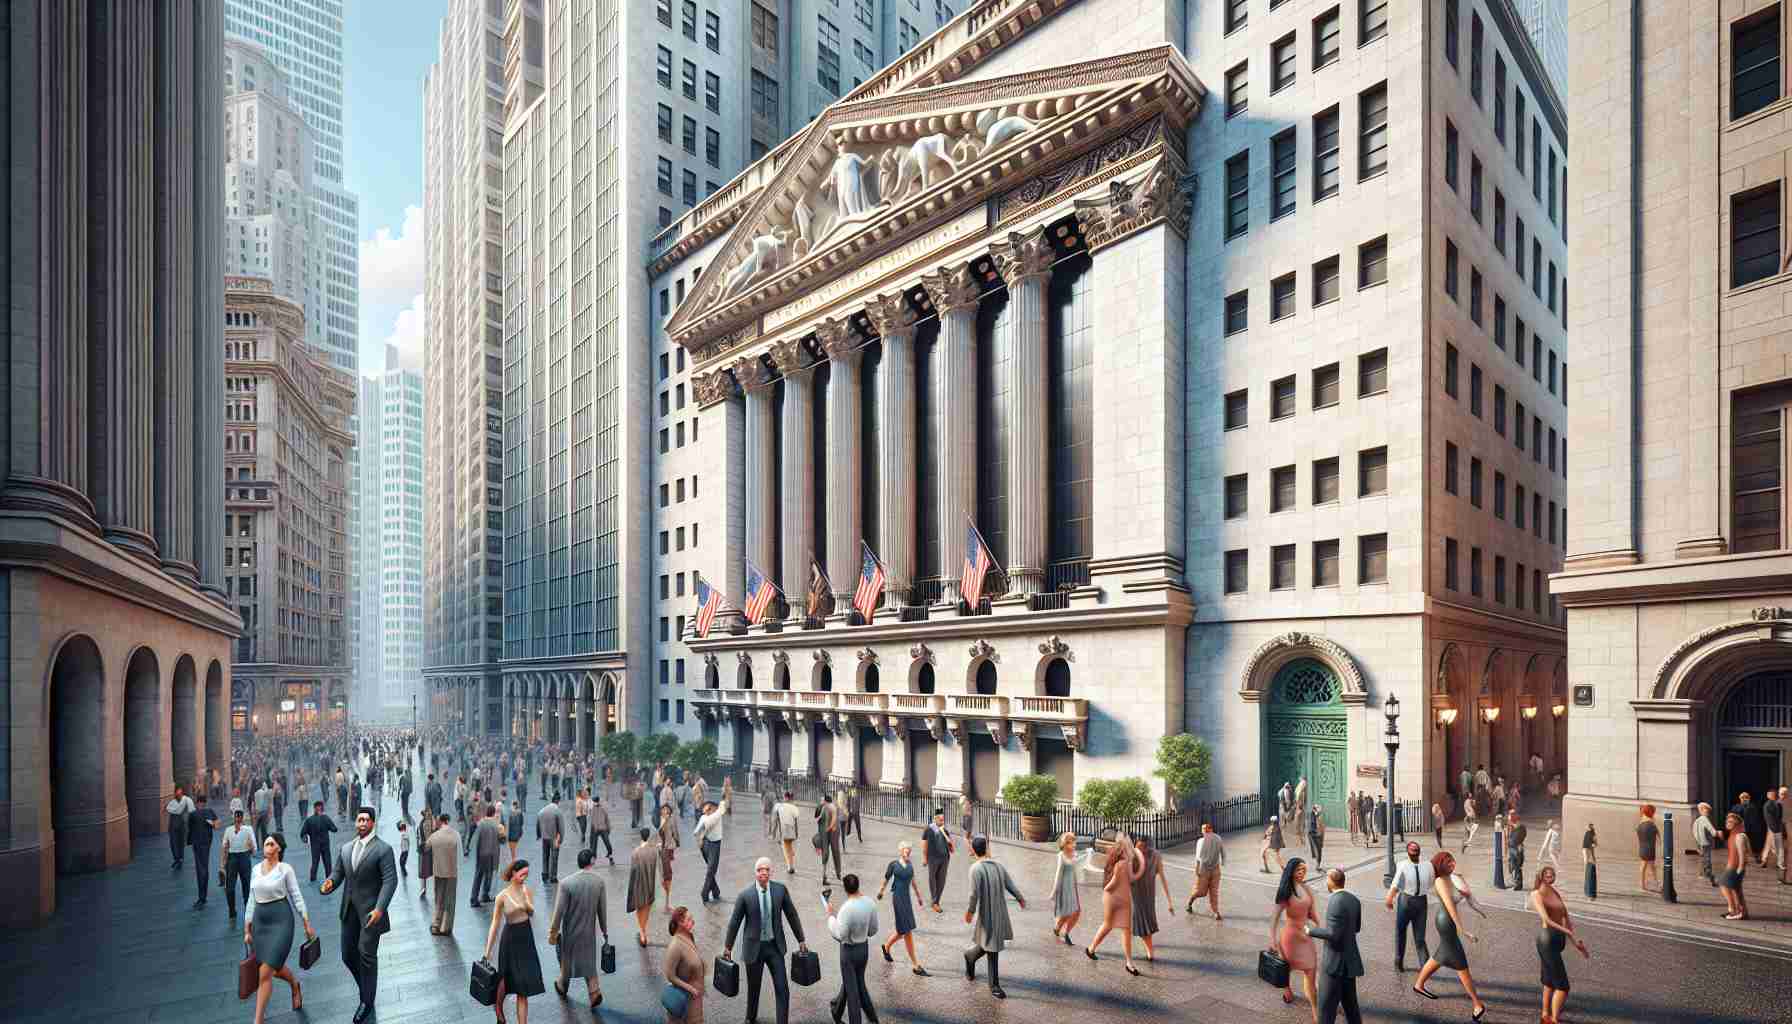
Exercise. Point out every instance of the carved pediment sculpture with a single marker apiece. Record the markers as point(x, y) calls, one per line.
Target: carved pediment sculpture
point(1057, 647)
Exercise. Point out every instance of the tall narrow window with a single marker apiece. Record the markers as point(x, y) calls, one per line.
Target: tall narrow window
point(1238, 89)
point(1325, 155)
point(1238, 496)
point(1450, 266)
point(1372, 131)
point(1757, 457)
point(1499, 322)
point(1474, 482)
point(1452, 462)
point(1451, 580)
point(1281, 297)
point(1238, 194)
point(1372, 263)
point(1452, 32)
point(1451, 145)
point(1452, 364)
point(1281, 63)
point(1474, 389)
point(1281, 567)
point(1325, 481)
point(1499, 97)
point(1281, 398)
point(1499, 221)
point(1325, 563)
point(1281, 489)
point(1372, 472)
point(1754, 235)
point(1518, 129)
point(1372, 558)
point(1474, 571)
point(1325, 38)
point(1476, 42)
point(1238, 12)
point(1474, 294)
point(1237, 306)
point(1238, 571)
point(1499, 410)
point(1282, 156)
point(1474, 187)
point(1325, 280)
point(1374, 22)
point(1755, 62)
point(1372, 373)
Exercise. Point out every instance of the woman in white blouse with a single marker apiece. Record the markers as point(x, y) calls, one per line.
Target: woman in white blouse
point(274, 891)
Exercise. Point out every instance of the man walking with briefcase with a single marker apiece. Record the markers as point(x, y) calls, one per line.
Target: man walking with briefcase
point(763, 907)
point(580, 913)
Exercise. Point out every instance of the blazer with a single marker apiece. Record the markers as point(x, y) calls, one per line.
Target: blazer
point(547, 823)
point(444, 852)
point(937, 841)
point(370, 886)
point(1343, 920)
point(485, 839)
point(746, 911)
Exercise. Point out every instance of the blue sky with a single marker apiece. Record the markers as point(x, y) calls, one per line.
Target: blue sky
point(388, 46)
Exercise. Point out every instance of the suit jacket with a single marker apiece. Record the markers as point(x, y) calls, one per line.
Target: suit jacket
point(547, 823)
point(598, 818)
point(787, 820)
point(444, 852)
point(746, 911)
point(1343, 920)
point(317, 829)
point(937, 842)
point(485, 840)
point(370, 886)
point(579, 915)
point(432, 795)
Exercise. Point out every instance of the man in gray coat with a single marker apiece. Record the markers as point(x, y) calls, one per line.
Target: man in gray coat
point(991, 885)
point(598, 829)
point(579, 915)
point(548, 830)
point(1341, 963)
point(444, 850)
point(485, 857)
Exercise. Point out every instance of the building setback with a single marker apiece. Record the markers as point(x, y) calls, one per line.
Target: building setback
point(1322, 469)
point(115, 628)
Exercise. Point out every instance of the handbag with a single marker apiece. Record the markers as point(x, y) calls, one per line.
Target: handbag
point(309, 952)
point(805, 967)
point(483, 986)
point(675, 1000)
point(1272, 969)
point(726, 977)
point(248, 973)
point(608, 958)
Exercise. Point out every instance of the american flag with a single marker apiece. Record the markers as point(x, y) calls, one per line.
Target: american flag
point(709, 601)
point(760, 591)
point(871, 582)
point(977, 561)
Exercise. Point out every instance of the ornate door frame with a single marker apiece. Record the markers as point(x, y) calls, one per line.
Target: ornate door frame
point(1306, 732)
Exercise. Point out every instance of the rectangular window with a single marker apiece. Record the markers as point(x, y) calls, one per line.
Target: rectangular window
point(1474, 571)
point(1237, 13)
point(1451, 580)
point(1372, 472)
point(1372, 131)
point(1238, 194)
point(1325, 280)
point(1281, 297)
point(1518, 585)
point(1518, 128)
point(1237, 409)
point(1281, 489)
point(1499, 221)
point(765, 97)
point(1499, 579)
point(1374, 22)
point(712, 147)
point(1281, 398)
point(1518, 506)
point(1238, 89)
point(663, 175)
point(1372, 373)
point(1499, 97)
point(1536, 514)
point(1325, 154)
point(1474, 294)
point(712, 92)
point(1518, 420)
point(1450, 261)
point(1372, 558)
point(1537, 590)
point(688, 79)
point(1451, 145)
point(1537, 440)
point(1281, 63)
point(1552, 523)
point(1372, 263)
point(1452, 32)
point(1474, 187)
point(1499, 410)
point(1536, 160)
point(689, 180)
point(1452, 461)
point(1325, 563)
point(1281, 567)
point(1536, 267)
point(1474, 389)
point(1499, 322)
point(1518, 249)
point(1476, 40)
point(1755, 62)
point(1499, 495)
point(1754, 235)
point(689, 21)
point(662, 66)
point(665, 123)
point(664, 12)
point(1474, 482)
point(1325, 386)
point(1326, 30)
point(1238, 571)
point(1237, 305)
point(1552, 449)
point(1518, 342)
point(1238, 496)
point(1451, 362)
point(689, 137)
point(1536, 356)
point(1282, 171)
point(765, 30)
point(1325, 481)
point(1552, 187)
point(712, 31)
point(1551, 295)
point(1552, 371)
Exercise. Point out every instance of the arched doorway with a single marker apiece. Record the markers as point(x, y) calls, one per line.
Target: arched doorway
point(1754, 736)
point(824, 678)
point(1306, 734)
point(183, 726)
point(869, 680)
point(743, 676)
point(78, 757)
point(781, 676)
point(143, 743)
point(217, 718)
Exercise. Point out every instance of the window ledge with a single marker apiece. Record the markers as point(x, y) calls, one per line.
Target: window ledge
point(1778, 106)
point(1766, 282)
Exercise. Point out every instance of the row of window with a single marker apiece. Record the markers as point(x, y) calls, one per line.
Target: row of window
point(1539, 525)
point(1371, 481)
point(1534, 273)
point(1520, 118)
point(1372, 156)
point(663, 181)
point(670, 538)
point(667, 491)
point(1371, 270)
point(1755, 62)
point(1477, 387)
point(712, 82)
point(712, 22)
point(712, 139)
point(1371, 379)
point(666, 436)
point(1545, 606)
point(1371, 564)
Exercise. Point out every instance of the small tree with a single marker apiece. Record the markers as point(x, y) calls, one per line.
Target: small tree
point(619, 749)
point(1031, 794)
point(1115, 800)
point(1184, 763)
point(695, 758)
point(657, 748)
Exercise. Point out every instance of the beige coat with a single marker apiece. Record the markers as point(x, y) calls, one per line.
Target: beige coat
point(444, 852)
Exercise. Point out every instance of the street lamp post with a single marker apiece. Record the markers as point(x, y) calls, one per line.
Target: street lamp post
point(1391, 739)
point(413, 712)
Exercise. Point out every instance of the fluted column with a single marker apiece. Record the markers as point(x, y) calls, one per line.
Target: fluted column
point(797, 488)
point(894, 321)
point(173, 382)
point(756, 379)
point(208, 299)
point(1025, 263)
point(845, 529)
point(954, 294)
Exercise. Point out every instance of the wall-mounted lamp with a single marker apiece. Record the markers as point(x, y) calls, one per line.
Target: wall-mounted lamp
point(1490, 712)
point(1446, 717)
point(1527, 707)
point(1558, 709)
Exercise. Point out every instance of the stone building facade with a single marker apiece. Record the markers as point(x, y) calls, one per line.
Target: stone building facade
point(1676, 585)
point(286, 446)
point(115, 630)
point(1256, 398)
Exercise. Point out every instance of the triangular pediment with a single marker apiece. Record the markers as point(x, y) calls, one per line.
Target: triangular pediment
point(869, 173)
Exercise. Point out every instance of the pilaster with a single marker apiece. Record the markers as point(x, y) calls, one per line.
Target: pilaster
point(208, 299)
point(1025, 263)
point(896, 740)
point(802, 760)
point(894, 320)
point(845, 771)
point(954, 294)
point(723, 416)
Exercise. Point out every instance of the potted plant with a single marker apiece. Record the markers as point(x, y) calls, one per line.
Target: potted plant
point(1035, 797)
point(1115, 801)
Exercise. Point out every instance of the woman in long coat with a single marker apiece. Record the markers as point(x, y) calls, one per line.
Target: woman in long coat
point(643, 876)
point(668, 849)
point(1124, 864)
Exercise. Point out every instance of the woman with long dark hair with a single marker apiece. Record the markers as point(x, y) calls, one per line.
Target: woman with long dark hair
point(1447, 921)
point(1294, 901)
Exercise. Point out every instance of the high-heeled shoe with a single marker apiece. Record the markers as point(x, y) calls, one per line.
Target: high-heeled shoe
point(1288, 997)
point(1067, 941)
point(887, 957)
point(1134, 971)
point(1090, 953)
point(1479, 1013)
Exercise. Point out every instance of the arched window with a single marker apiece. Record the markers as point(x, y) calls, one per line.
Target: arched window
point(870, 678)
point(924, 679)
point(1057, 678)
point(711, 679)
point(824, 680)
point(986, 678)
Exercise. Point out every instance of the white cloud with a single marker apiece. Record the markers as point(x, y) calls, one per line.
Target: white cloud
point(392, 266)
point(407, 335)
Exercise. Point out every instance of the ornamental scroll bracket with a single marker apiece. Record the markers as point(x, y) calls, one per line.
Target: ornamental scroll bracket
point(983, 649)
point(921, 653)
point(955, 728)
point(867, 656)
point(1058, 648)
point(1073, 737)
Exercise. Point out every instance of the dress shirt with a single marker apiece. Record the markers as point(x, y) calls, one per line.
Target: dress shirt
point(180, 806)
point(711, 826)
point(239, 839)
point(1703, 833)
point(282, 883)
point(1413, 878)
point(1210, 852)
point(856, 922)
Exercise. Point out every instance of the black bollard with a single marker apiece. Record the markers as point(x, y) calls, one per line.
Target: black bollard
point(1499, 859)
point(1668, 894)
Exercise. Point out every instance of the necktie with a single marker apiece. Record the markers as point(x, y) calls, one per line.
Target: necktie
point(360, 844)
point(765, 913)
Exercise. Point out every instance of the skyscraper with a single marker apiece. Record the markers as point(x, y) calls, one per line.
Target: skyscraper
point(397, 560)
point(369, 637)
point(1546, 22)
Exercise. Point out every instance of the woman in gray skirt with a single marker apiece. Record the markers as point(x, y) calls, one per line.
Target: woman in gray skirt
point(1067, 901)
point(1447, 950)
point(268, 927)
point(1144, 895)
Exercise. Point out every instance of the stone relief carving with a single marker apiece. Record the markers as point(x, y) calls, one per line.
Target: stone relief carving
point(926, 162)
point(847, 184)
point(709, 660)
point(866, 654)
point(998, 729)
point(951, 289)
point(891, 314)
point(1351, 676)
point(1159, 195)
point(935, 726)
point(1772, 619)
point(1023, 255)
point(767, 253)
point(1770, 613)
point(1073, 737)
point(822, 657)
point(955, 729)
point(1058, 647)
point(796, 720)
point(982, 649)
point(1023, 732)
point(837, 338)
point(752, 372)
point(792, 357)
point(921, 652)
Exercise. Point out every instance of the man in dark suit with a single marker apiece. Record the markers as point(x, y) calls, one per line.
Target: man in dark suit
point(485, 861)
point(936, 857)
point(315, 832)
point(1340, 964)
point(369, 868)
point(763, 907)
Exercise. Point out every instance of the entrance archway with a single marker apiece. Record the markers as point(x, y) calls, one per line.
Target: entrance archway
point(1306, 734)
point(1754, 736)
point(183, 726)
point(217, 720)
point(1057, 679)
point(143, 742)
point(77, 761)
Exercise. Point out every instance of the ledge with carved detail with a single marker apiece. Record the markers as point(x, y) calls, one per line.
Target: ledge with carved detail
point(1019, 716)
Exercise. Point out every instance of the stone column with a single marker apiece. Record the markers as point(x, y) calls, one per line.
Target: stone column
point(121, 314)
point(954, 294)
point(797, 481)
point(1025, 262)
point(1706, 211)
point(845, 769)
point(762, 455)
point(174, 183)
point(764, 737)
point(208, 300)
point(894, 321)
point(582, 717)
point(845, 531)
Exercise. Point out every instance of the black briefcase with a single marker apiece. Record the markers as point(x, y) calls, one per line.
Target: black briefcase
point(484, 985)
point(608, 958)
point(727, 977)
point(805, 967)
point(1272, 969)
point(309, 952)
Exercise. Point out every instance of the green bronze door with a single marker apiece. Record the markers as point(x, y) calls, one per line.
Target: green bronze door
point(1306, 735)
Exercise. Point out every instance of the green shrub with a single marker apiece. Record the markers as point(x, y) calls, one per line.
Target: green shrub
point(1031, 794)
point(657, 748)
point(620, 748)
point(1115, 800)
point(695, 758)
point(1184, 763)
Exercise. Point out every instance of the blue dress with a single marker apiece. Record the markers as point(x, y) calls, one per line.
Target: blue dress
point(901, 878)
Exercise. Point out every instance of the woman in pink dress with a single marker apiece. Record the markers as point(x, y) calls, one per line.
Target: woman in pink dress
point(1294, 901)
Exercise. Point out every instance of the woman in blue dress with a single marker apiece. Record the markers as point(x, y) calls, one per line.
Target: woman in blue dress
point(900, 876)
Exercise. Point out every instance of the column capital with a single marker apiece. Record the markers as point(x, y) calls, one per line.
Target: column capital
point(752, 373)
point(952, 289)
point(792, 357)
point(1023, 255)
point(711, 388)
point(837, 338)
point(891, 314)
